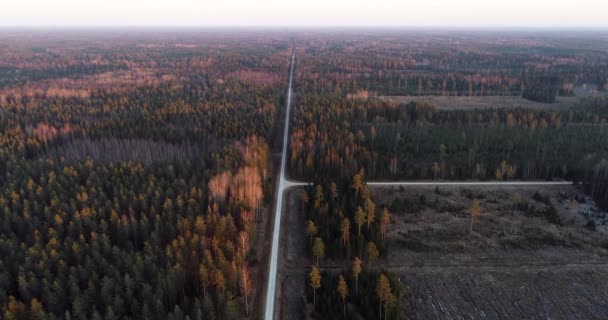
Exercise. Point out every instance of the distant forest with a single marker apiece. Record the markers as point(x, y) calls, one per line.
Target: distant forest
point(343, 122)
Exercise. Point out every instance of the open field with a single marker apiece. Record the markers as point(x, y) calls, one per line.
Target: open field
point(516, 263)
point(484, 102)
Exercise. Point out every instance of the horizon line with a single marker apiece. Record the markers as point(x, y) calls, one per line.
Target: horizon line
point(320, 26)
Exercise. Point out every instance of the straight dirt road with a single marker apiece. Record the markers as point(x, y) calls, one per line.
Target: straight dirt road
point(291, 183)
point(283, 184)
point(466, 183)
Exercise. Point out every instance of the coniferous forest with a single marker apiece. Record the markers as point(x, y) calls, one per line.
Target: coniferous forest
point(401, 110)
point(416, 106)
point(134, 174)
point(138, 169)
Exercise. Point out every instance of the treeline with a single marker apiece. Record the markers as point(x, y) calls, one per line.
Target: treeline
point(29, 56)
point(392, 141)
point(334, 136)
point(124, 150)
point(356, 294)
point(161, 113)
point(449, 64)
point(542, 89)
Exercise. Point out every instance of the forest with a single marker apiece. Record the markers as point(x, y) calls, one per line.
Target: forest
point(346, 120)
point(465, 63)
point(342, 223)
point(138, 169)
point(132, 181)
point(365, 112)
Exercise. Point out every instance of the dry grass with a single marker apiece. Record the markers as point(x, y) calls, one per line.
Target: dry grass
point(443, 223)
point(512, 265)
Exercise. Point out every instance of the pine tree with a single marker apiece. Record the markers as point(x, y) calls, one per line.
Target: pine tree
point(345, 230)
point(318, 249)
point(315, 283)
point(385, 219)
point(359, 219)
point(311, 229)
point(36, 310)
point(383, 290)
point(356, 272)
point(372, 253)
point(498, 174)
point(436, 170)
point(318, 196)
point(475, 212)
point(343, 292)
point(357, 184)
point(370, 209)
point(243, 243)
point(333, 191)
point(204, 278)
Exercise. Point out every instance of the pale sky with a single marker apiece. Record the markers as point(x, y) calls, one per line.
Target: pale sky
point(188, 13)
